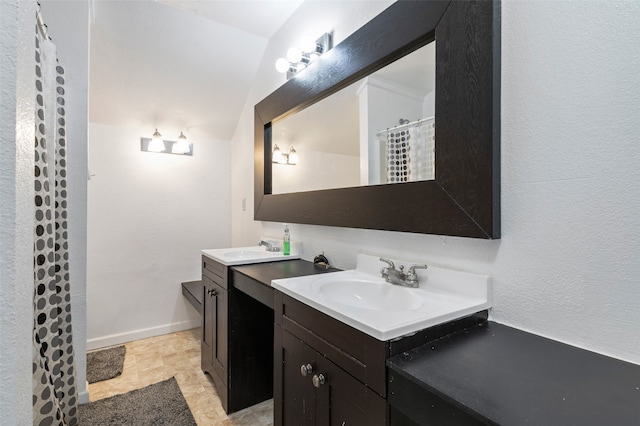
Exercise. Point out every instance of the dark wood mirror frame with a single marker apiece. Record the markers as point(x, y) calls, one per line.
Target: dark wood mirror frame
point(464, 198)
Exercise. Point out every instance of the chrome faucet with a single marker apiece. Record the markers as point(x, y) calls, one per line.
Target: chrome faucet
point(268, 245)
point(398, 277)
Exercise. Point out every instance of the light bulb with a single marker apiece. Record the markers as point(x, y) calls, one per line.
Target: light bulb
point(293, 156)
point(313, 57)
point(308, 45)
point(282, 65)
point(294, 55)
point(156, 144)
point(181, 146)
point(277, 155)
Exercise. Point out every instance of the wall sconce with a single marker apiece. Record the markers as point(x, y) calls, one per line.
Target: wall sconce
point(282, 158)
point(298, 58)
point(157, 144)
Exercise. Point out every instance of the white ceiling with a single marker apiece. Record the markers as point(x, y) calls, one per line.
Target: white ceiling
point(178, 65)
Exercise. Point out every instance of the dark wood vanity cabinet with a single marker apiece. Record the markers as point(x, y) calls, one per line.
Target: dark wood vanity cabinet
point(326, 372)
point(236, 341)
point(215, 308)
point(237, 327)
point(353, 388)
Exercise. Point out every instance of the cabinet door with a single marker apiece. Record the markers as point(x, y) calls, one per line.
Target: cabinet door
point(214, 343)
point(342, 400)
point(298, 393)
point(208, 325)
point(221, 346)
point(327, 395)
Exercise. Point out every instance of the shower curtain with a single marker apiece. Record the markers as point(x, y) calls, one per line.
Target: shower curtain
point(55, 395)
point(410, 151)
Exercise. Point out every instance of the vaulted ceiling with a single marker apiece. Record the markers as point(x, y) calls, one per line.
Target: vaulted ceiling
point(180, 65)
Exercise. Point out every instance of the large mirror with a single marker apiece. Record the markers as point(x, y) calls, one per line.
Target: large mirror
point(378, 130)
point(462, 197)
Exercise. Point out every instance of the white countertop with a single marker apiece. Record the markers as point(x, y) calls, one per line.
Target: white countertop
point(386, 311)
point(247, 255)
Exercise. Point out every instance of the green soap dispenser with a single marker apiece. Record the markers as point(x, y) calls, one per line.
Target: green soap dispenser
point(286, 241)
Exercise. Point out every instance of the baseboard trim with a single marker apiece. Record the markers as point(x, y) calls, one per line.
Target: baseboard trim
point(129, 336)
point(83, 396)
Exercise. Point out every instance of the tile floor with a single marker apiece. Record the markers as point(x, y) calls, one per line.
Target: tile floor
point(159, 358)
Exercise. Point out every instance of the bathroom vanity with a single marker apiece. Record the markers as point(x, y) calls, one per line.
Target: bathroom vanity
point(237, 324)
point(329, 373)
point(319, 368)
point(259, 342)
point(334, 333)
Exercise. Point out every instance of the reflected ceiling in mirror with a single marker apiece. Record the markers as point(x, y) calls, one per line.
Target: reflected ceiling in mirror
point(378, 130)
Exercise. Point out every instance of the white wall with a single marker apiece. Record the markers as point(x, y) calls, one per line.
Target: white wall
point(316, 170)
point(150, 214)
point(17, 124)
point(566, 266)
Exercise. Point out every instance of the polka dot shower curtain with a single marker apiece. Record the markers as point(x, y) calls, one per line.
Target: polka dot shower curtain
point(55, 393)
point(409, 151)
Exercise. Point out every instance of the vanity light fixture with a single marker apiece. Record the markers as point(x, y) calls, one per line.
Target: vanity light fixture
point(157, 144)
point(279, 158)
point(298, 58)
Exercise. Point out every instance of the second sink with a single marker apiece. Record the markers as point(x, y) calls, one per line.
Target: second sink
point(362, 293)
point(365, 301)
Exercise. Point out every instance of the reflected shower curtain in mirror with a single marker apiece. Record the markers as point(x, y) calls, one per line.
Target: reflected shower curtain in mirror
point(55, 395)
point(409, 151)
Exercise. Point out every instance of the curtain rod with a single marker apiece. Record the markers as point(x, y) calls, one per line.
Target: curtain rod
point(41, 25)
point(399, 126)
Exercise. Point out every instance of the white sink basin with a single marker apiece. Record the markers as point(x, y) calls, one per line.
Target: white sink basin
point(366, 294)
point(237, 254)
point(363, 300)
point(246, 255)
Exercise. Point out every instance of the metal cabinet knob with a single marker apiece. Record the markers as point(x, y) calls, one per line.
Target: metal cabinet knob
point(306, 369)
point(318, 380)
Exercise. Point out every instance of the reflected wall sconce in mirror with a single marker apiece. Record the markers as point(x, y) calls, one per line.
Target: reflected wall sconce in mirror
point(157, 144)
point(299, 57)
point(283, 158)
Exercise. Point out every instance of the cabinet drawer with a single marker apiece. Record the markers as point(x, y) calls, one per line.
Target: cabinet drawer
point(216, 271)
point(352, 350)
point(254, 288)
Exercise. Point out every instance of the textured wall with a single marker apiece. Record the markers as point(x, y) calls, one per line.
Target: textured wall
point(566, 266)
point(17, 114)
point(149, 216)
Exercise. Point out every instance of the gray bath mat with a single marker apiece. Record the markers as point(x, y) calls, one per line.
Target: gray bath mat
point(158, 404)
point(105, 364)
